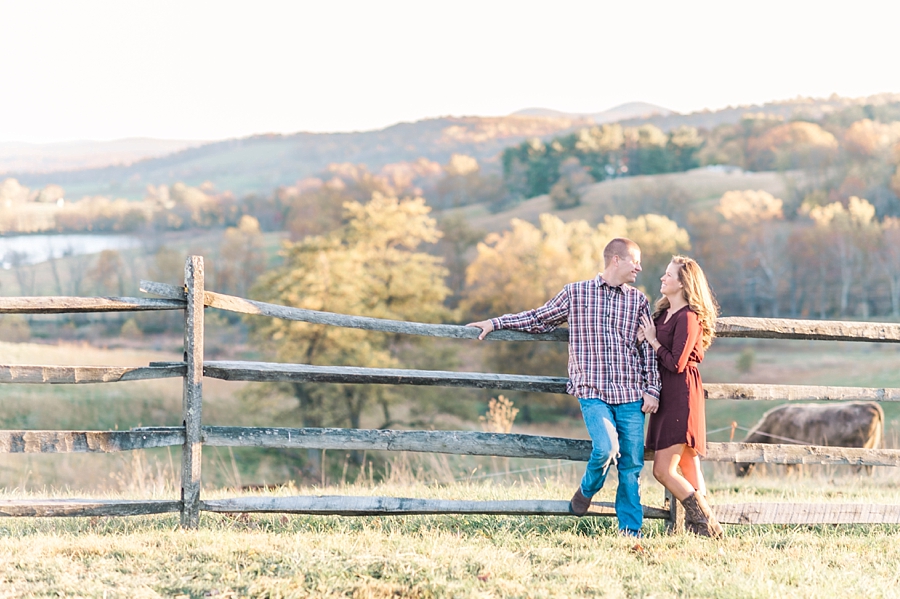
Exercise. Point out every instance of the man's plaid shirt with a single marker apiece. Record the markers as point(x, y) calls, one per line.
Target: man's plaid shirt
point(606, 361)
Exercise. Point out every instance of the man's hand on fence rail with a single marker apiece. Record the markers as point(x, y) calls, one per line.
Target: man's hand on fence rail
point(486, 327)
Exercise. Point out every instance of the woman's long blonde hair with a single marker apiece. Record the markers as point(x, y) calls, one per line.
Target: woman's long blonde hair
point(697, 294)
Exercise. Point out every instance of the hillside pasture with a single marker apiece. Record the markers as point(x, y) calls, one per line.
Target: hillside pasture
point(696, 189)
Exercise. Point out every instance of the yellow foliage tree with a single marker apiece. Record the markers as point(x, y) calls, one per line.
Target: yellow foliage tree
point(851, 234)
point(372, 266)
point(792, 145)
point(241, 257)
point(752, 245)
point(525, 266)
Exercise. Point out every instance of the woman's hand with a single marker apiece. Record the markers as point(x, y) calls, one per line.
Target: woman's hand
point(648, 330)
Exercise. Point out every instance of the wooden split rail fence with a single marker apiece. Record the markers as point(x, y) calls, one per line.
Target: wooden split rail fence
point(192, 435)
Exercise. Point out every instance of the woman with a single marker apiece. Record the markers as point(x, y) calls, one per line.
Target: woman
point(683, 327)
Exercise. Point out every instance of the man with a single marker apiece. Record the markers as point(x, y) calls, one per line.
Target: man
point(614, 377)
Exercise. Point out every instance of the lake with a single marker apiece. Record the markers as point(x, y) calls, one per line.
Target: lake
point(32, 249)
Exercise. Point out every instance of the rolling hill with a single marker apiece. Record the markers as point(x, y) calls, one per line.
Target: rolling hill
point(261, 163)
point(76, 155)
point(631, 110)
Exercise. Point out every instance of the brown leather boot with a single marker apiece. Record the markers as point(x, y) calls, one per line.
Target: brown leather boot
point(714, 527)
point(579, 504)
point(698, 517)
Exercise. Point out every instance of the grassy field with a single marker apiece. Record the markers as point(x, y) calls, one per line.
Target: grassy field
point(799, 363)
point(450, 556)
point(422, 556)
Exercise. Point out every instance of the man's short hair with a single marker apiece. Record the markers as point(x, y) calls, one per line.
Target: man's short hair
point(621, 247)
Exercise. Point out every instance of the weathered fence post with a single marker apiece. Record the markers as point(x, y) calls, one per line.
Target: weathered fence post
point(675, 522)
point(192, 402)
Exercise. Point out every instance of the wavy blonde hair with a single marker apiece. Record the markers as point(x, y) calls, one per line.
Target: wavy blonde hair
point(697, 294)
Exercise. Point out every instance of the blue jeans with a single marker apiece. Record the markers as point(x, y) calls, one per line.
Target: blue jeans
point(617, 435)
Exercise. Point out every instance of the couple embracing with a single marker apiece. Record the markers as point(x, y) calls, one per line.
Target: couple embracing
point(623, 364)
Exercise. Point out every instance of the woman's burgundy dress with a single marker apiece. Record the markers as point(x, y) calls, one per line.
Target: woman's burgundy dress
point(681, 417)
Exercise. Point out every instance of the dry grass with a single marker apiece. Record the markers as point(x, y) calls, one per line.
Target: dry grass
point(101, 407)
point(438, 556)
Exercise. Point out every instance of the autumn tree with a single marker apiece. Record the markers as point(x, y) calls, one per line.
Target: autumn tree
point(866, 138)
point(851, 232)
point(107, 273)
point(888, 259)
point(12, 193)
point(799, 144)
point(458, 238)
point(754, 248)
point(165, 265)
point(573, 177)
point(371, 266)
point(464, 183)
point(241, 258)
point(659, 237)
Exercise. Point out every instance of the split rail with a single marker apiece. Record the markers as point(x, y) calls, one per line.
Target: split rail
point(192, 298)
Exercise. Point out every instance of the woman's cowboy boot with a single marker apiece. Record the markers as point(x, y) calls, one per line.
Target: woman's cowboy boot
point(698, 517)
point(713, 523)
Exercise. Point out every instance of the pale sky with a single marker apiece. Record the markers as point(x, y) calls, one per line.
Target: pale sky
point(86, 69)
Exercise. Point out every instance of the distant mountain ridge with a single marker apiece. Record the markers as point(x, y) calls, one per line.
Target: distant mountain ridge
point(74, 155)
point(796, 108)
point(261, 163)
point(630, 110)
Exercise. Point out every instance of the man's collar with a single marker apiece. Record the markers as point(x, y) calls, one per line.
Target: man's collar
point(601, 282)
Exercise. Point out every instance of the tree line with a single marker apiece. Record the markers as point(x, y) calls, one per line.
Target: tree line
point(848, 152)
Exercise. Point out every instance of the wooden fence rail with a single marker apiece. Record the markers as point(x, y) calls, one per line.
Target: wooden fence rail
point(306, 373)
point(734, 326)
point(65, 375)
point(77, 305)
point(448, 442)
point(192, 435)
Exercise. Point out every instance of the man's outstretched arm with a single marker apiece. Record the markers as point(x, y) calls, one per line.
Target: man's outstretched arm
point(540, 320)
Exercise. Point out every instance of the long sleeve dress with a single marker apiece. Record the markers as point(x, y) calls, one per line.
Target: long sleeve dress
point(681, 417)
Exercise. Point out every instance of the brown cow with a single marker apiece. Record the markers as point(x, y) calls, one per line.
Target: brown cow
point(852, 424)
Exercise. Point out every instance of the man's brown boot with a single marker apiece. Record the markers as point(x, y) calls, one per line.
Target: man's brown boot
point(698, 517)
point(579, 504)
